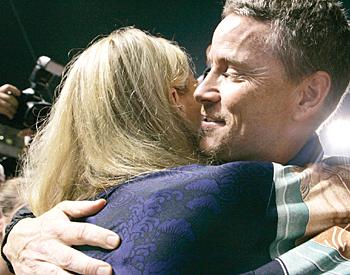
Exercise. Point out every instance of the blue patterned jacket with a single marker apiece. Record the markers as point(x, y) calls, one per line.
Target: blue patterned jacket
point(228, 219)
point(191, 220)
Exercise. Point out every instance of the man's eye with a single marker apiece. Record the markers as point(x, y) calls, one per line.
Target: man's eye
point(206, 71)
point(233, 76)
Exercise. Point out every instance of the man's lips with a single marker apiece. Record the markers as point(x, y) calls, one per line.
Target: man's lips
point(210, 122)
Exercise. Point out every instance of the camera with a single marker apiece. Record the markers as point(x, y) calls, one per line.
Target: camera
point(36, 101)
point(34, 106)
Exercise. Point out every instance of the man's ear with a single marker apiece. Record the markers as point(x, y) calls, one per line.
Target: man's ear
point(312, 94)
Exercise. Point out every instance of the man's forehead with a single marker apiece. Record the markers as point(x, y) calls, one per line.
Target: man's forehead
point(240, 24)
point(238, 33)
point(228, 24)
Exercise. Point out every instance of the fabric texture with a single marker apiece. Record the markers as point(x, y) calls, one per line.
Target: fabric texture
point(191, 220)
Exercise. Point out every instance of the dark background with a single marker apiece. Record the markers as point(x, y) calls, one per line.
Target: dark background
point(60, 28)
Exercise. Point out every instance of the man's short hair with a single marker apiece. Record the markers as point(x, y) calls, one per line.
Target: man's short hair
point(306, 35)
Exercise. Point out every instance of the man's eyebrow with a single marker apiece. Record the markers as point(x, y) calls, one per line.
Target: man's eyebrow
point(236, 63)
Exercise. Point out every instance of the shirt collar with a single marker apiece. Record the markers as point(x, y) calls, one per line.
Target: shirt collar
point(311, 152)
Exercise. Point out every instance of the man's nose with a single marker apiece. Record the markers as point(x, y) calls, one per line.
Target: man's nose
point(207, 91)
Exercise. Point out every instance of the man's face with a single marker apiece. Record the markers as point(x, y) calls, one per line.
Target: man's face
point(246, 97)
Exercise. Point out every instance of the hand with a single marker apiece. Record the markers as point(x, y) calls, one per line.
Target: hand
point(337, 238)
point(41, 245)
point(8, 101)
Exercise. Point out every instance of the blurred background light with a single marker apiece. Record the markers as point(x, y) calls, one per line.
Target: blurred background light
point(338, 134)
point(335, 134)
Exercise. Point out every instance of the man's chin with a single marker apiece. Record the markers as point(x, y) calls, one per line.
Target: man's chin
point(215, 152)
point(204, 144)
point(208, 147)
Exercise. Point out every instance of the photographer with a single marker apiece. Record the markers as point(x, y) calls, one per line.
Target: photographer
point(8, 101)
point(22, 112)
point(8, 107)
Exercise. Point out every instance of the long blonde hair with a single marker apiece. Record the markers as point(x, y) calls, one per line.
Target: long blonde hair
point(113, 120)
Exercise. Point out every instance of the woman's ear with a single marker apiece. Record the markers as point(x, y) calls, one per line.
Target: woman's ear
point(2, 223)
point(175, 98)
point(312, 94)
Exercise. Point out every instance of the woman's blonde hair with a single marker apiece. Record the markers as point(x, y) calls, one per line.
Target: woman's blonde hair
point(113, 120)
